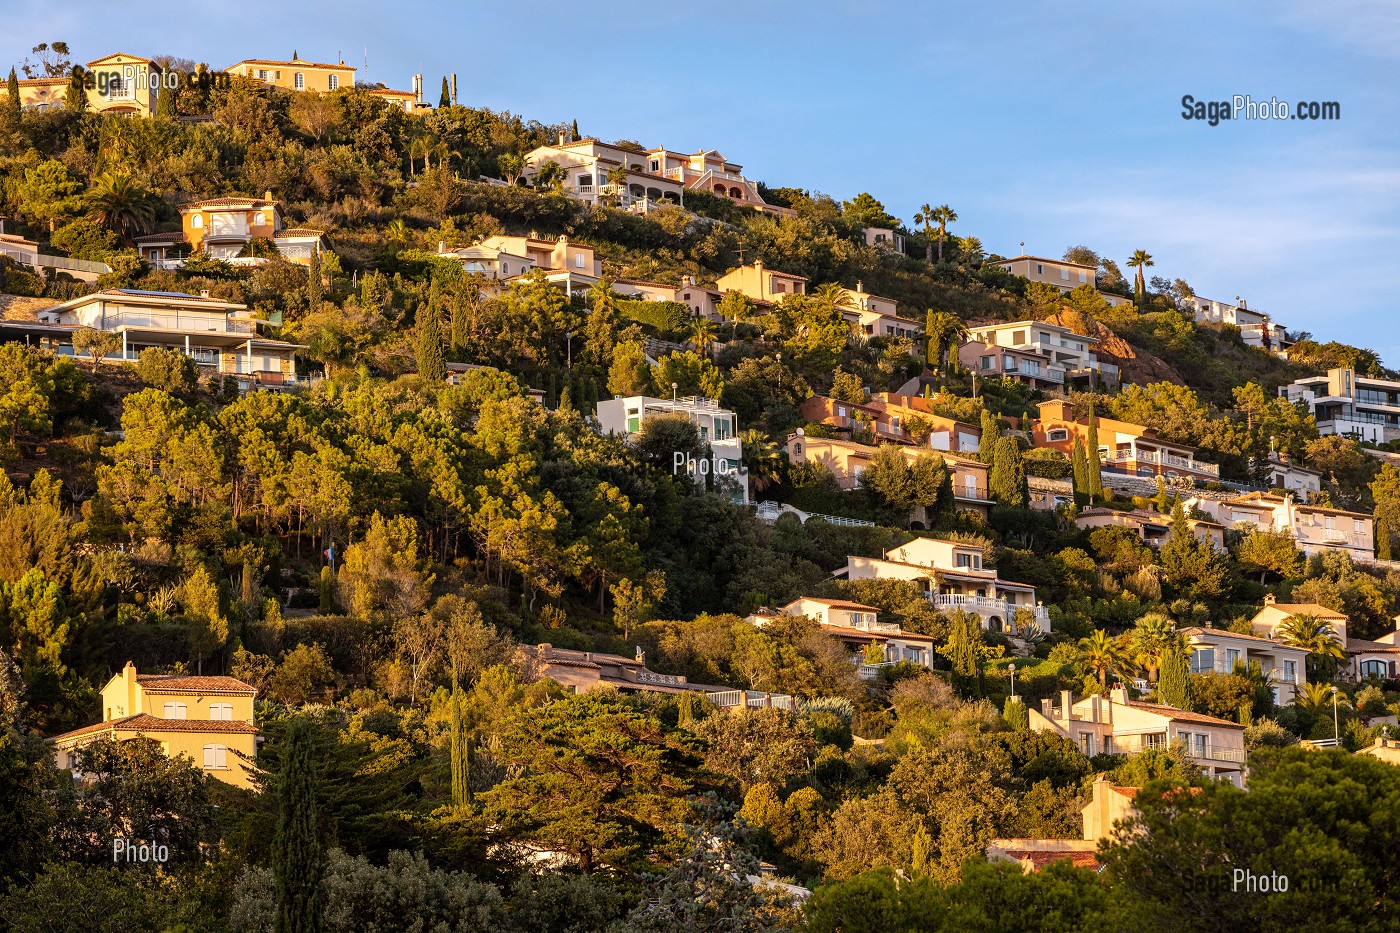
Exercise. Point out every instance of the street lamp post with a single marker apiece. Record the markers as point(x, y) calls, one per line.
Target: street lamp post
point(570, 336)
point(1012, 668)
point(1336, 730)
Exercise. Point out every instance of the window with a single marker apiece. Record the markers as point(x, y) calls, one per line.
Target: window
point(1290, 672)
point(1039, 269)
point(1057, 434)
point(262, 74)
point(335, 82)
point(174, 711)
point(1232, 657)
point(1083, 276)
point(1018, 338)
point(1108, 745)
point(779, 288)
point(215, 758)
point(1064, 275)
point(654, 165)
point(197, 221)
point(221, 711)
point(260, 219)
point(299, 82)
point(505, 268)
point(585, 180)
point(989, 362)
point(972, 561)
point(1086, 743)
point(1374, 669)
point(578, 261)
point(1202, 659)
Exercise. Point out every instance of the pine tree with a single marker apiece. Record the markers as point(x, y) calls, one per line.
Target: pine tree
point(446, 99)
point(313, 282)
point(991, 433)
point(298, 854)
point(1080, 467)
point(1173, 683)
point(11, 113)
point(1094, 474)
point(427, 347)
point(1008, 474)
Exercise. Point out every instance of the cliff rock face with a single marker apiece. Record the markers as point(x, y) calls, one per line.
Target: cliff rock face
point(1135, 365)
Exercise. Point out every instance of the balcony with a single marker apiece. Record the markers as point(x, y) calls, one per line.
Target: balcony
point(1164, 460)
point(971, 492)
point(881, 628)
point(751, 699)
point(989, 605)
point(1207, 752)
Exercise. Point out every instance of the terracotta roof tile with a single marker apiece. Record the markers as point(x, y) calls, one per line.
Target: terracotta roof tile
point(1182, 715)
point(145, 723)
point(183, 683)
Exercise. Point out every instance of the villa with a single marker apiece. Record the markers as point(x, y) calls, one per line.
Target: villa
point(207, 719)
point(1068, 358)
point(1219, 650)
point(858, 627)
point(224, 228)
point(1315, 528)
point(847, 460)
point(1124, 447)
point(952, 576)
point(120, 84)
point(220, 336)
point(1347, 403)
point(1114, 724)
point(296, 74)
point(716, 427)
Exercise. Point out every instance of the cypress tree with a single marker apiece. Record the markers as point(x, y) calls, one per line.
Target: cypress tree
point(987, 443)
point(575, 136)
point(1383, 545)
point(446, 99)
point(1016, 715)
point(1162, 500)
point(298, 855)
point(12, 111)
point(1173, 683)
point(1094, 487)
point(1008, 474)
point(1080, 466)
point(460, 328)
point(327, 604)
point(313, 282)
point(165, 103)
point(460, 750)
point(551, 395)
point(76, 97)
point(428, 345)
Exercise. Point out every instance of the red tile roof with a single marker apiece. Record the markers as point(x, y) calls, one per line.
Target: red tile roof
point(1182, 715)
point(183, 683)
point(145, 723)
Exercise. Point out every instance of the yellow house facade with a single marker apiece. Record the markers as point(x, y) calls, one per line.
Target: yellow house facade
point(296, 74)
point(208, 719)
point(121, 84)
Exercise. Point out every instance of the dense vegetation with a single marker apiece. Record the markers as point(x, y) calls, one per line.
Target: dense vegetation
point(369, 551)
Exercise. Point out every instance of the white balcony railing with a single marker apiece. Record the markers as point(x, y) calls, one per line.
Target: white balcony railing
point(1207, 751)
point(753, 699)
point(987, 604)
point(1163, 459)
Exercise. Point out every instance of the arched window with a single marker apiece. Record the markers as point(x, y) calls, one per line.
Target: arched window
point(215, 758)
point(259, 219)
point(197, 221)
point(1379, 669)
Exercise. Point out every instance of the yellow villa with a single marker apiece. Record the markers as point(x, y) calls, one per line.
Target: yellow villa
point(297, 74)
point(208, 719)
point(121, 84)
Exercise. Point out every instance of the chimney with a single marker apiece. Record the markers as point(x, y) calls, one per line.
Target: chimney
point(267, 195)
point(1270, 599)
point(454, 88)
point(562, 140)
point(1119, 695)
point(860, 286)
point(1066, 702)
point(1210, 624)
point(204, 293)
point(418, 89)
point(442, 246)
point(641, 655)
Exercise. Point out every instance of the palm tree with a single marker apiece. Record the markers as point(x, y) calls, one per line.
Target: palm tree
point(702, 332)
point(121, 205)
point(1141, 259)
point(945, 331)
point(397, 230)
point(831, 296)
point(1315, 697)
point(971, 248)
point(926, 218)
point(1317, 638)
point(945, 215)
point(1150, 640)
point(762, 459)
point(1104, 655)
point(617, 177)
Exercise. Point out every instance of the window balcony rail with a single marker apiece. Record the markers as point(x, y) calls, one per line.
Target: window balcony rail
point(1202, 751)
point(971, 492)
point(664, 680)
point(1162, 458)
point(987, 604)
point(883, 628)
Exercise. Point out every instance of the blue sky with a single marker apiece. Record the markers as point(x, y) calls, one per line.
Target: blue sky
point(1053, 124)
